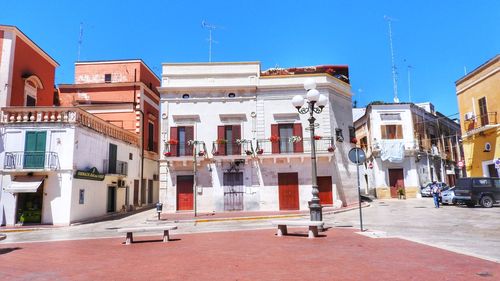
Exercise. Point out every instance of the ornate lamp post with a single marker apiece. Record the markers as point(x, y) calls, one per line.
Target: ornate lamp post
point(315, 104)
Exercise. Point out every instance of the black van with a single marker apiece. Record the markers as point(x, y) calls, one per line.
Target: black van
point(473, 191)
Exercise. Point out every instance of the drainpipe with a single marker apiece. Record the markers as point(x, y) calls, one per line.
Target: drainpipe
point(142, 134)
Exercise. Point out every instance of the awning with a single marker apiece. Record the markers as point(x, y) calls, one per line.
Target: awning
point(24, 184)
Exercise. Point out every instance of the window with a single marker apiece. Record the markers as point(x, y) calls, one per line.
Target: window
point(34, 150)
point(184, 135)
point(231, 95)
point(181, 151)
point(130, 156)
point(227, 136)
point(81, 196)
point(107, 78)
point(285, 133)
point(151, 136)
point(30, 93)
point(338, 135)
point(112, 158)
point(483, 111)
point(185, 96)
point(392, 132)
point(481, 183)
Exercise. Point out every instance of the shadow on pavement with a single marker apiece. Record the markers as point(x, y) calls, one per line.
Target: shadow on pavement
point(154, 241)
point(8, 250)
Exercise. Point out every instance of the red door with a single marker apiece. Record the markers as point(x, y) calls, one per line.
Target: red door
point(288, 185)
point(184, 193)
point(396, 181)
point(325, 190)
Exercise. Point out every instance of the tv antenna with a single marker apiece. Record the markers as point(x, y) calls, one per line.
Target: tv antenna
point(394, 69)
point(409, 68)
point(80, 41)
point(210, 28)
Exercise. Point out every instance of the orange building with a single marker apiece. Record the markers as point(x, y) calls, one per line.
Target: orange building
point(123, 93)
point(26, 71)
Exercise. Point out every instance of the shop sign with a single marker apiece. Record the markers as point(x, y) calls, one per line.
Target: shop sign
point(90, 174)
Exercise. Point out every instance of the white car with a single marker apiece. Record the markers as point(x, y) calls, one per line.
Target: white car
point(448, 196)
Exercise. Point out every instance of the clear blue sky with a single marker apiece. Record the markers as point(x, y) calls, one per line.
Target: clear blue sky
point(437, 38)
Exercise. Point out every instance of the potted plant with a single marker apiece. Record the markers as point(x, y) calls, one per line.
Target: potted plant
point(317, 137)
point(167, 154)
point(260, 151)
point(173, 141)
point(294, 139)
point(221, 141)
point(201, 153)
point(274, 138)
point(331, 149)
point(401, 193)
point(248, 152)
point(354, 140)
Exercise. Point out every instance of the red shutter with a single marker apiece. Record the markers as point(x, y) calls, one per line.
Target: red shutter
point(298, 147)
point(236, 136)
point(189, 136)
point(221, 135)
point(173, 136)
point(275, 146)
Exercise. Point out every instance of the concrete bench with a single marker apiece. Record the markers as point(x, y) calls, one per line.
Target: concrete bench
point(313, 226)
point(131, 230)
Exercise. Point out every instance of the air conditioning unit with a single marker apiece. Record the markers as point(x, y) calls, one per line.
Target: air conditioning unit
point(487, 147)
point(469, 116)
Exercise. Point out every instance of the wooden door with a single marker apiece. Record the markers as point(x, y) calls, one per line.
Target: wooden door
point(396, 181)
point(325, 190)
point(111, 206)
point(136, 192)
point(185, 193)
point(288, 186)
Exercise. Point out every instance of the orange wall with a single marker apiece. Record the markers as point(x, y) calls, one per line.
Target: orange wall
point(114, 94)
point(27, 60)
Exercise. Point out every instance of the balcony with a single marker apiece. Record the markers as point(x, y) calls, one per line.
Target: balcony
point(27, 161)
point(324, 145)
point(481, 122)
point(227, 148)
point(188, 149)
point(116, 167)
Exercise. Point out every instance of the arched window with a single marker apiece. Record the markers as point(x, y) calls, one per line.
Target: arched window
point(31, 86)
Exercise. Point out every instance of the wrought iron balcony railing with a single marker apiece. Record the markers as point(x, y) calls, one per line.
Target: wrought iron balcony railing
point(31, 160)
point(480, 121)
point(179, 149)
point(286, 146)
point(116, 167)
point(224, 148)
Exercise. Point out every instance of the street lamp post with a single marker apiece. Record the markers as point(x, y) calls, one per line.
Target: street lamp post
point(315, 104)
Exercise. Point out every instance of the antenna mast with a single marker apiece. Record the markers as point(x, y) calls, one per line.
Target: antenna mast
point(80, 40)
point(209, 27)
point(394, 69)
point(409, 83)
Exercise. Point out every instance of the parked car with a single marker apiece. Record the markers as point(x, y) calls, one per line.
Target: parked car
point(426, 190)
point(478, 190)
point(448, 196)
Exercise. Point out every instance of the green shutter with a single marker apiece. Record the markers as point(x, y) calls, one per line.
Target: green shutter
point(34, 150)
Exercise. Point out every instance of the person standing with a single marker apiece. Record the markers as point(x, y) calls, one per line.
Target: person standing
point(435, 193)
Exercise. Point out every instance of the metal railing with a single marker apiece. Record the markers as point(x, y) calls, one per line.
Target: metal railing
point(185, 149)
point(479, 121)
point(285, 146)
point(116, 168)
point(31, 160)
point(224, 148)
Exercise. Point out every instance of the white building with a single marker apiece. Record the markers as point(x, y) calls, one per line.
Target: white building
point(63, 165)
point(408, 145)
point(242, 123)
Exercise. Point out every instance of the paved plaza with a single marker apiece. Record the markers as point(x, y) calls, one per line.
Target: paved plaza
point(417, 242)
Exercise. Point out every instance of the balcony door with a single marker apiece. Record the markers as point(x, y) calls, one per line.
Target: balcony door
point(34, 150)
point(229, 133)
point(112, 157)
point(285, 132)
point(483, 111)
point(181, 136)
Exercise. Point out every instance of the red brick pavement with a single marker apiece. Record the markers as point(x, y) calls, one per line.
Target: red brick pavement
point(241, 255)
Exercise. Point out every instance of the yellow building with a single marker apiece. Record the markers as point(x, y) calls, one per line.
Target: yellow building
point(478, 96)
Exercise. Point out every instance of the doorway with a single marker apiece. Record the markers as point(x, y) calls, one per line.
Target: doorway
point(233, 191)
point(185, 193)
point(288, 188)
point(396, 181)
point(492, 171)
point(325, 190)
point(29, 206)
point(111, 206)
point(136, 192)
point(150, 191)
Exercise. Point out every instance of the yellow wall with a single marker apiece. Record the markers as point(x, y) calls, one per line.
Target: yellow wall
point(482, 82)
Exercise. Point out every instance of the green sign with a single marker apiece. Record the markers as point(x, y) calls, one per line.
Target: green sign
point(91, 174)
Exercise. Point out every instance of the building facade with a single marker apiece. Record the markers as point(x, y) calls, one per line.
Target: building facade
point(231, 139)
point(125, 94)
point(26, 71)
point(407, 145)
point(63, 165)
point(478, 95)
